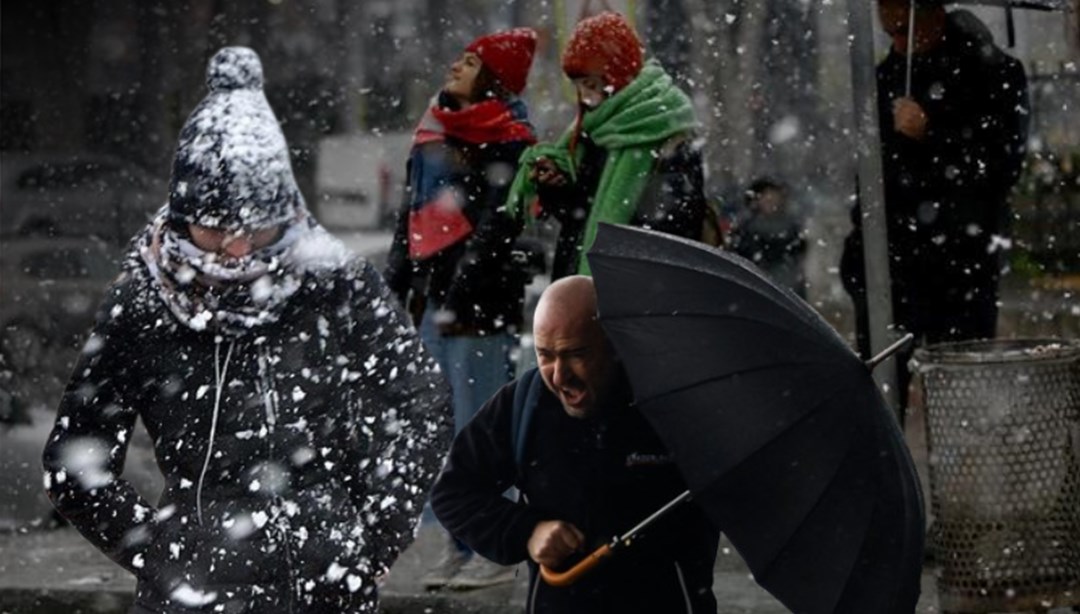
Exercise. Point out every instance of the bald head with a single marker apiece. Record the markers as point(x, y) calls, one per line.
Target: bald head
point(572, 353)
point(570, 298)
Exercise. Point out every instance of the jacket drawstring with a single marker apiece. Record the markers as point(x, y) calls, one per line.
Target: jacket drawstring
point(682, 585)
point(220, 372)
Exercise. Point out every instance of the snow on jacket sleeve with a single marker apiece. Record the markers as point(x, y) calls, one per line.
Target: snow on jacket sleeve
point(407, 400)
point(468, 499)
point(84, 455)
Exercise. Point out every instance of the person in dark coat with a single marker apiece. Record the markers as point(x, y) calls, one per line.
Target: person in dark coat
point(453, 261)
point(770, 235)
point(591, 468)
point(451, 256)
point(295, 414)
point(630, 157)
point(951, 151)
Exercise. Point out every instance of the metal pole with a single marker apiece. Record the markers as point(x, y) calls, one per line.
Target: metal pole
point(910, 47)
point(871, 191)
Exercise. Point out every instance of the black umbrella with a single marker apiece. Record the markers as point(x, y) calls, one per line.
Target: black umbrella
point(777, 426)
point(1009, 5)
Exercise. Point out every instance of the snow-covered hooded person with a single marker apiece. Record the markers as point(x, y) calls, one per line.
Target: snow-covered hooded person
point(295, 415)
point(631, 156)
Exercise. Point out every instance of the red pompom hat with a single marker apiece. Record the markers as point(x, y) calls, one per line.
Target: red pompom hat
point(604, 45)
point(508, 54)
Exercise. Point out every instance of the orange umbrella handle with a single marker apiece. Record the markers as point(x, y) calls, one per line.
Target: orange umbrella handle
point(568, 577)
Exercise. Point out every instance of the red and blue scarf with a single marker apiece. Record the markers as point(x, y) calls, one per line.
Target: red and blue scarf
point(437, 218)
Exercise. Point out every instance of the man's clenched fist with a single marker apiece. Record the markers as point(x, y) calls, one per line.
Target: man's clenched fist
point(552, 541)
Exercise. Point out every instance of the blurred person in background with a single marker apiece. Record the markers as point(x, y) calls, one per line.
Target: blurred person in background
point(630, 157)
point(452, 261)
point(770, 235)
point(953, 138)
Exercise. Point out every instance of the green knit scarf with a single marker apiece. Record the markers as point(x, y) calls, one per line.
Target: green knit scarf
point(631, 126)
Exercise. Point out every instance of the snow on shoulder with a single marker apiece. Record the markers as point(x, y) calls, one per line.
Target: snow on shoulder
point(318, 250)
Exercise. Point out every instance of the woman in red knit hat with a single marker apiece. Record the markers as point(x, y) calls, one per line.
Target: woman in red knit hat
point(450, 262)
point(630, 156)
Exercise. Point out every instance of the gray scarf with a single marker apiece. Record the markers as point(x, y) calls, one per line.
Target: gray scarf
point(233, 295)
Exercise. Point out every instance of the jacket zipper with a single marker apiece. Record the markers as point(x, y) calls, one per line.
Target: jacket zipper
point(266, 390)
point(532, 598)
point(682, 585)
point(221, 373)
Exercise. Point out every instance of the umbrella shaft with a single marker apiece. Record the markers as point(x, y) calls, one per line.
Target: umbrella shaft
point(658, 513)
point(889, 351)
point(910, 44)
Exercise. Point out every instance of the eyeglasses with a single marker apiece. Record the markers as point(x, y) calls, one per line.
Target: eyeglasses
point(235, 243)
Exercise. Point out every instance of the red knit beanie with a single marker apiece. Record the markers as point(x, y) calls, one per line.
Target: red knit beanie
point(508, 54)
point(606, 45)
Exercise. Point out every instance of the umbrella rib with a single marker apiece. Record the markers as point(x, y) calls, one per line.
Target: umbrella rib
point(810, 512)
point(801, 331)
point(794, 423)
point(741, 264)
point(696, 383)
point(851, 563)
point(773, 289)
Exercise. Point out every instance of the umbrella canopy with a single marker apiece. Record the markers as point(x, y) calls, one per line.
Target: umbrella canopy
point(776, 425)
point(1040, 5)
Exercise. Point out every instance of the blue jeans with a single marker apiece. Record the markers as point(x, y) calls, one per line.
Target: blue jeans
point(476, 367)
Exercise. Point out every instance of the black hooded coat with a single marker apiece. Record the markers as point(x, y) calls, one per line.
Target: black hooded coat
point(316, 437)
point(297, 450)
point(602, 474)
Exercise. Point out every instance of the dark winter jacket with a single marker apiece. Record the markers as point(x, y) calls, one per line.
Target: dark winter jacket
point(481, 279)
point(776, 244)
point(673, 201)
point(296, 456)
point(603, 475)
point(946, 195)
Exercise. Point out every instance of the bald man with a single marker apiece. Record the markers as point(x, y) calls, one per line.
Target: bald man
point(588, 467)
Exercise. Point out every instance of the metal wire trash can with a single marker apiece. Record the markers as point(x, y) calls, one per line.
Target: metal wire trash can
point(1003, 433)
